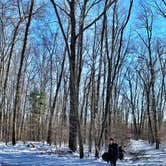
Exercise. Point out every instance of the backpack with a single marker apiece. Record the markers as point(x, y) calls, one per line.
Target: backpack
point(106, 156)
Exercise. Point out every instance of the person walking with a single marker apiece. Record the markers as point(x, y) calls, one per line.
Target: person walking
point(113, 150)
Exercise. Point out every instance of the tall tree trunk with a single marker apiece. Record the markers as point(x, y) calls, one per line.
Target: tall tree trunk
point(17, 95)
point(150, 129)
point(54, 101)
point(133, 110)
point(72, 83)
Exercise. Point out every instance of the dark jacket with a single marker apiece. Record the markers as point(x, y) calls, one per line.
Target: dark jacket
point(113, 150)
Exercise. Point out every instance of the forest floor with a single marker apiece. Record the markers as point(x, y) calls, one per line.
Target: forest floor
point(138, 153)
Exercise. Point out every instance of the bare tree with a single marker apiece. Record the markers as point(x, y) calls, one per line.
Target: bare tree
point(151, 59)
point(17, 96)
point(55, 99)
point(74, 77)
point(113, 70)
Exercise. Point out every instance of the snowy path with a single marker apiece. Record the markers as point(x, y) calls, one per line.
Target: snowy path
point(33, 159)
point(139, 153)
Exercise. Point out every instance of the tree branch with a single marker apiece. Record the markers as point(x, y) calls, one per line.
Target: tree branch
point(61, 26)
point(96, 19)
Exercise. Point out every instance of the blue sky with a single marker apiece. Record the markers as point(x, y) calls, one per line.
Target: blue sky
point(159, 26)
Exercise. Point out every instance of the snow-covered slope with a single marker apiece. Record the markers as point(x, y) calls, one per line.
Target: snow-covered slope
point(141, 152)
